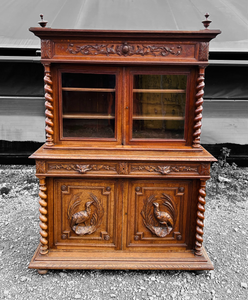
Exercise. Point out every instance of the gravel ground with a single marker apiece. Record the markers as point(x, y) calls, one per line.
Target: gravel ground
point(225, 240)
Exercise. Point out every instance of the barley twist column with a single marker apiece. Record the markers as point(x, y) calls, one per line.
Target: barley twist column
point(43, 217)
point(200, 218)
point(48, 105)
point(199, 108)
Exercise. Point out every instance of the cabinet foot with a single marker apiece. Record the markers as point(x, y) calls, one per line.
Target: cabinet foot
point(199, 272)
point(42, 272)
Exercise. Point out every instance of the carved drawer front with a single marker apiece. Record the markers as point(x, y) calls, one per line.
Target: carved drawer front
point(158, 213)
point(86, 216)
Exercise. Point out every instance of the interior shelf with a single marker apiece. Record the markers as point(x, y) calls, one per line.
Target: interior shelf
point(161, 91)
point(156, 117)
point(69, 89)
point(87, 116)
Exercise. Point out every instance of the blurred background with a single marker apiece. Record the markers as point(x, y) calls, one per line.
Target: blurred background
point(22, 118)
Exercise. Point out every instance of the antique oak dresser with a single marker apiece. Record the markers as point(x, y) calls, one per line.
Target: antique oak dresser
point(122, 173)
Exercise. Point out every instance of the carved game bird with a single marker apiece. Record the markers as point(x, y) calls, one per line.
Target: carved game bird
point(81, 216)
point(163, 217)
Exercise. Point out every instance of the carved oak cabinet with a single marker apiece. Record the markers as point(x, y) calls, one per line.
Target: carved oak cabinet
point(122, 173)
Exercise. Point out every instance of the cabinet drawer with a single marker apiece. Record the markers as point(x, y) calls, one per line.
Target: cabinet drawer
point(86, 212)
point(159, 215)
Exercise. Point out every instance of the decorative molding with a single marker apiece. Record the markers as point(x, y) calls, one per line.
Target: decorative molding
point(46, 49)
point(203, 51)
point(154, 217)
point(200, 218)
point(43, 217)
point(198, 108)
point(86, 221)
point(82, 169)
point(132, 266)
point(49, 106)
point(163, 169)
point(40, 166)
point(124, 49)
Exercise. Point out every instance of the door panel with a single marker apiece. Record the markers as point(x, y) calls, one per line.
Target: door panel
point(87, 213)
point(157, 214)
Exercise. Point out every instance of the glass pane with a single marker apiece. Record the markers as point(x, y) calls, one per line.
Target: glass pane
point(84, 80)
point(159, 106)
point(88, 104)
point(90, 128)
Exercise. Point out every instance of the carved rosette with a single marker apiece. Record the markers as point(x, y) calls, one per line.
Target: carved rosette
point(124, 49)
point(198, 108)
point(40, 166)
point(85, 221)
point(203, 51)
point(200, 218)
point(43, 217)
point(46, 49)
point(159, 216)
point(49, 106)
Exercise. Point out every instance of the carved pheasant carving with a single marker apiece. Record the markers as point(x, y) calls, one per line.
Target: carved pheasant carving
point(81, 216)
point(163, 217)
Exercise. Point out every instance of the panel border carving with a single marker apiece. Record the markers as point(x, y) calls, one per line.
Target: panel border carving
point(103, 235)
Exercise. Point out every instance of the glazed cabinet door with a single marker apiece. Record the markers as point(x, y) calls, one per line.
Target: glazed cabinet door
point(89, 105)
point(158, 101)
point(87, 214)
point(159, 215)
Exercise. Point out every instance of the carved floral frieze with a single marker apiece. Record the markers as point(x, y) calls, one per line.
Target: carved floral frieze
point(125, 49)
point(164, 169)
point(82, 169)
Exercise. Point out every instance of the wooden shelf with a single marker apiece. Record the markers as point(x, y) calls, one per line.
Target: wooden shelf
point(69, 89)
point(157, 117)
point(161, 91)
point(88, 116)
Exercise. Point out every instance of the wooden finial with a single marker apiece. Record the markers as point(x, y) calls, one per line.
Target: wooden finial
point(206, 22)
point(42, 22)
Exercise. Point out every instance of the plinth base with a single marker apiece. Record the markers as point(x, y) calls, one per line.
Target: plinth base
point(58, 259)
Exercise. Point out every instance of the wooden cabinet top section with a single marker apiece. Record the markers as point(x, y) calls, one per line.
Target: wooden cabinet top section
point(121, 47)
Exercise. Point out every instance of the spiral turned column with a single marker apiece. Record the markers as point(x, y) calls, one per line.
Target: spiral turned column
point(198, 108)
point(48, 105)
point(200, 218)
point(43, 217)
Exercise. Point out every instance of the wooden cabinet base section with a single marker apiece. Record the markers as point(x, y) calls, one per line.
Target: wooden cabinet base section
point(120, 261)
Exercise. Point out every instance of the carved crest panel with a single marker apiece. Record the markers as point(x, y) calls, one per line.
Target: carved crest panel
point(87, 209)
point(158, 214)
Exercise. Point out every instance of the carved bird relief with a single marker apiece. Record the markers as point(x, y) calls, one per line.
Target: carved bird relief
point(85, 221)
point(153, 215)
point(163, 217)
point(81, 216)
